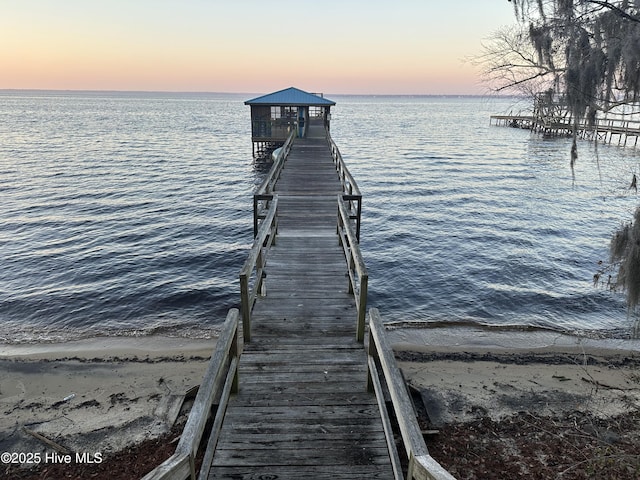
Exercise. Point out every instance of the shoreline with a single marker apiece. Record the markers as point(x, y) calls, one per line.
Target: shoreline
point(103, 347)
point(432, 338)
point(475, 338)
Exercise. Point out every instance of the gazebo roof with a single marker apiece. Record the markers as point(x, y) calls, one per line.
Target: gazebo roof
point(291, 97)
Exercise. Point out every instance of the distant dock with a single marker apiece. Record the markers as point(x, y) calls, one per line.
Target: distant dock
point(603, 130)
point(550, 118)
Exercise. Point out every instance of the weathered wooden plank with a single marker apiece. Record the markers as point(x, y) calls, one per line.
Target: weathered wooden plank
point(301, 338)
point(303, 457)
point(325, 330)
point(325, 374)
point(301, 320)
point(342, 329)
point(299, 317)
point(309, 305)
point(282, 289)
point(299, 388)
point(319, 441)
point(294, 472)
point(301, 308)
point(285, 244)
point(296, 323)
point(303, 360)
point(333, 334)
point(282, 399)
point(314, 246)
point(264, 314)
point(283, 271)
point(270, 346)
point(281, 378)
point(302, 367)
point(326, 426)
point(307, 414)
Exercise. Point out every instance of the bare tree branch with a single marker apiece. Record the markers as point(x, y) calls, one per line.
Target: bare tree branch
point(616, 9)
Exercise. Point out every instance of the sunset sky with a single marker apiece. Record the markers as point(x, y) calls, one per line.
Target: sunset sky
point(334, 46)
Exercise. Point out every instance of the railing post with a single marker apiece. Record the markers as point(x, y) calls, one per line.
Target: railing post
point(372, 353)
point(245, 307)
point(255, 216)
point(351, 263)
point(234, 352)
point(359, 216)
point(274, 229)
point(362, 308)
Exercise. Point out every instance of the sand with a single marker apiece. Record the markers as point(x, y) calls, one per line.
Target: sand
point(98, 396)
point(469, 373)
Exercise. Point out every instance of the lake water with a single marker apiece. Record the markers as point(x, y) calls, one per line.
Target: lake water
point(131, 214)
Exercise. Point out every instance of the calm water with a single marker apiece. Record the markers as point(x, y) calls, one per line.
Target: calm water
point(128, 214)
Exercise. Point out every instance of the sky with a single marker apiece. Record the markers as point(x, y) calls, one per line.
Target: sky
point(331, 46)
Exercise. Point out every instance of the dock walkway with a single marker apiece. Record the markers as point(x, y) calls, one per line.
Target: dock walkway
point(303, 406)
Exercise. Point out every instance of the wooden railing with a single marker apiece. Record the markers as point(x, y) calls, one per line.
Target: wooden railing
point(358, 276)
point(382, 363)
point(220, 380)
point(253, 275)
point(274, 172)
point(351, 192)
point(264, 195)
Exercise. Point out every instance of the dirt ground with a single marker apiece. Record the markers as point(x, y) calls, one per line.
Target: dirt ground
point(572, 447)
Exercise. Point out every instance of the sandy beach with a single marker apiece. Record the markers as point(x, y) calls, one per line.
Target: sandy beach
point(95, 396)
point(467, 372)
point(99, 396)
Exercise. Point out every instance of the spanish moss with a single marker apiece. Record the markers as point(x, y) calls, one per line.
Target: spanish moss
point(625, 251)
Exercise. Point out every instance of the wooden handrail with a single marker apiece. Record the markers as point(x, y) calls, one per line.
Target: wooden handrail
point(350, 190)
point(274, 172)
point(264, 194)
point(222, 366)
point(358, 276)
point(254, 265)
point(350, 187)
point(421, 465)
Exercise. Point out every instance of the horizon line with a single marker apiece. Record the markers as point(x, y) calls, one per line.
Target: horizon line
point(194, 92)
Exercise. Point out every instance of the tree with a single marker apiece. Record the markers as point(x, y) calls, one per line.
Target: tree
point(587, 51)
point(591, 48)
point(510, 64)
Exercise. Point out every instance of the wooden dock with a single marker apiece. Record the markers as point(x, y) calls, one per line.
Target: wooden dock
point(602, 130)
point(304, 406)
point(292, 389)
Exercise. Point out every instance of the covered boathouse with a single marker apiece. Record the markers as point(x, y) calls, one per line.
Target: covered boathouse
point(275, 115)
